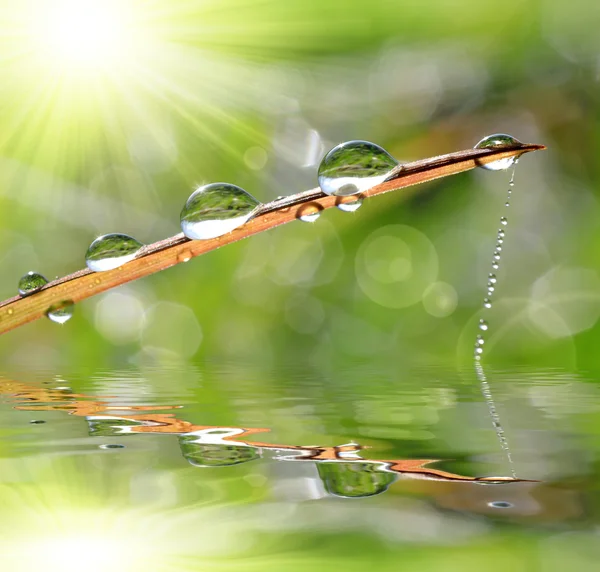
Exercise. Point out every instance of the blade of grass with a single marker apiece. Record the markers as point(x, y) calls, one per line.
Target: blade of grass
point(163, 254)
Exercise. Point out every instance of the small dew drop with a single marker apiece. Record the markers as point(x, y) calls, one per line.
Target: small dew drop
point(478, 350)
point(483, 325)
point(111, 446)
point(500, 504)
point(31, 282)
point(216, 209)
point(61, 312)
point(501, 233)
point(353, 167)
point(490, 290)
point(184, 256)
point(309, 213)
point(487, 303)
point(496, 257)
point(479, 340)
point(498, 140)
point(492, 278)
point(350, 207)
point(111, 251)
point(504, 221)
point(495, 265)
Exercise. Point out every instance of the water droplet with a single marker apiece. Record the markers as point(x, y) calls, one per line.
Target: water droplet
point(184, 256)
point(498, 140)
point(490, 290)
point(309, 213)
point(111, 446)
point(496, 257)
point(479, 340)
point(500, 504)
point(504, 221)
point(111, 251)
point(351, 206)
point(37, 421)
point(483, 325)
point(31, 282)
point(495, 265)
point(215, 210)
point(506, 204)
point(61, 312)
point(492, 278)
point(354, 167)
point(487, 303)
point(501, 233)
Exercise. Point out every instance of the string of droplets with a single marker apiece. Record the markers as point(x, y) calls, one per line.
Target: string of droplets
point(484, 327)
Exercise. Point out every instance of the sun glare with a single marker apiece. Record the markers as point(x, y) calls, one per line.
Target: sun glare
point(86, 34)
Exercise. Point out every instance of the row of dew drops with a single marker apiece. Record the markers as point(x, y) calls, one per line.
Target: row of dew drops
point(216, 209)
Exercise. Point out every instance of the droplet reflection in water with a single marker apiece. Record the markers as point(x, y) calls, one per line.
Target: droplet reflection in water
point(353, 167)
point(31, 282)
point(110, 251)
point(215, 210)
point(61, 312)
point(499, 140)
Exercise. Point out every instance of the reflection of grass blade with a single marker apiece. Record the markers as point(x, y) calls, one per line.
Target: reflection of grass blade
point(18, 311)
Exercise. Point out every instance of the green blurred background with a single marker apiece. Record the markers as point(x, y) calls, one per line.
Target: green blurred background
point(114, 139)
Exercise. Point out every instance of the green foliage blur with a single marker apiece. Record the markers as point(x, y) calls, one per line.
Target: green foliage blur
point(254, 94)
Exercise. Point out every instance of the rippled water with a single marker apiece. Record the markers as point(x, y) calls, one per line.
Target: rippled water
point(290, 468)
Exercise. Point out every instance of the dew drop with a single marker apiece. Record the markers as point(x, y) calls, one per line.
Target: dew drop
point(61, 312)
point(351, 206)
point(354, 167)
point(495, 265)
point(216, 209)
point(111, 251)
point(31, 282)
point(111, 446)
point(184, 256)
point(500, 504)
point(503, 221)
point(483, 325)
point(501, 233)
point(498, 140)
point(479, 340)
point(487, 303)
point(309, 213)
point(492, 278)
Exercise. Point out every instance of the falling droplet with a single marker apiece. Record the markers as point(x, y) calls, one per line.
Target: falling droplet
point(483, 325)
point(111, 251)
point(215, 210)
point(111, 446)
point(503, 221)
point(498, 140)
point(31, 282)
point(354, 167)
point(487, 303)
point(61, 312)
point(309, 213)
point(351, 206)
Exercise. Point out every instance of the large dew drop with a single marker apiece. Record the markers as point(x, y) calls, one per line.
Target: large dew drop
point(215, 210)
point(353, 167)
point(61, 312)
point(111, 251)
point(498, 140)
point(31, 282)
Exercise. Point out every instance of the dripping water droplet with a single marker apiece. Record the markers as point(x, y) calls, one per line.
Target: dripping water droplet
point(353, 167)
point(111, 251)
point(215, 210)
point(31, 282)
point(309, 213)
point(351, 206)
point(498, 140)
point(61, 312)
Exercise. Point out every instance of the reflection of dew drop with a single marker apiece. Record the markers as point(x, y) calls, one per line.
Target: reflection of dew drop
point(500, 504)
point(353, 167)
point(498, 140)
point(215, 210)
point(309, 213)
point(111, 446)
point(61, 312)
point(111, 251)
point(31, 283)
